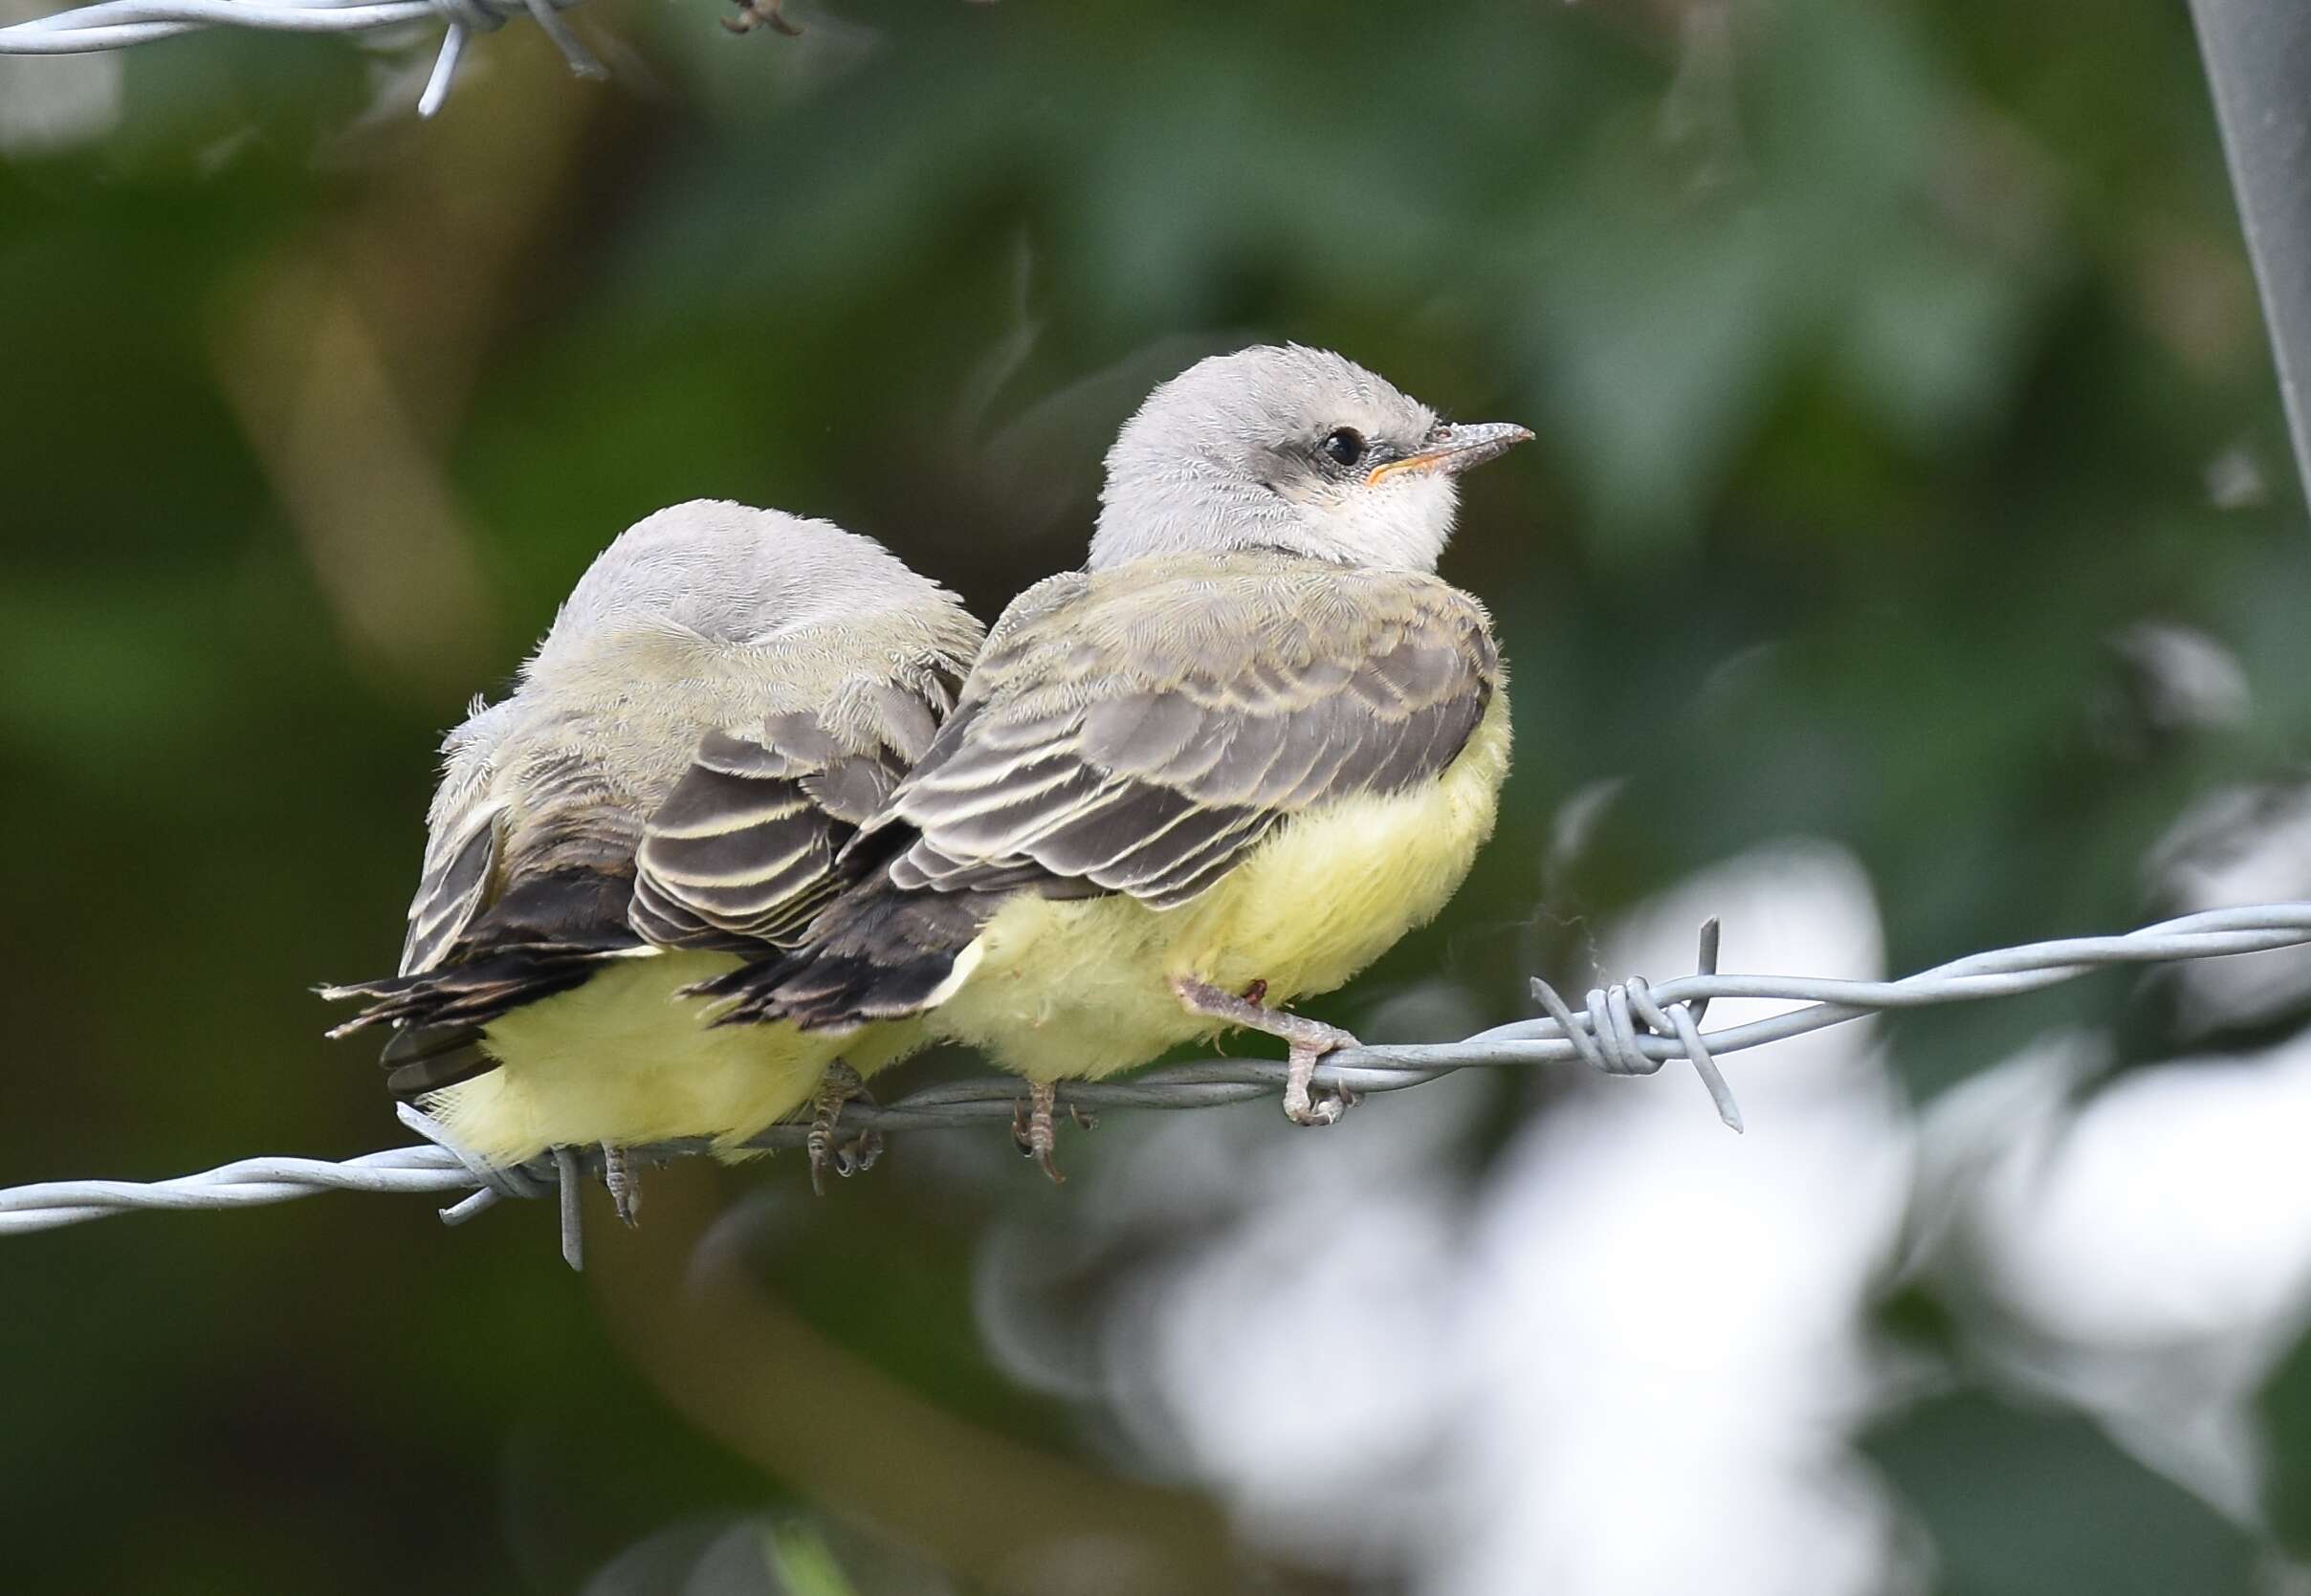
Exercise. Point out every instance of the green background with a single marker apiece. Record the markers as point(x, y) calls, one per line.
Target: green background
point(1903, 357)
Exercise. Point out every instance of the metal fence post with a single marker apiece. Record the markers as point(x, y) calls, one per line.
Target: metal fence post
point(2259, 64)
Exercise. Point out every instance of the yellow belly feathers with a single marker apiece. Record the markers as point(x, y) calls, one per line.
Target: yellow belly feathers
point(624, 1060)
point(1068, 989)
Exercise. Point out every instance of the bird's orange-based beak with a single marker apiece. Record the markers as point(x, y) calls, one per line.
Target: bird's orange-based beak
point(1455, 449)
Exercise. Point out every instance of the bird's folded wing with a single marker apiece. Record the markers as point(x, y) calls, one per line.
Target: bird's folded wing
point(511, 907)
point(1141, 738)
point(462, 856)
point(743, 851)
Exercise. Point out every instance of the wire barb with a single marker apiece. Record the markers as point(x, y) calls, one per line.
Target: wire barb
point(1610, 1039)
point(1630, 1028)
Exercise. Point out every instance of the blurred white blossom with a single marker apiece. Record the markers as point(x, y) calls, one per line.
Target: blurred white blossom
point(2149, 1256)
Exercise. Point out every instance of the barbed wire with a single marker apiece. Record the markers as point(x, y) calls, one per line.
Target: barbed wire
point(116, 24)
point(1632, 1027)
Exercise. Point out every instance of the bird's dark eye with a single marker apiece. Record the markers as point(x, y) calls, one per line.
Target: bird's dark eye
point(1346, 446)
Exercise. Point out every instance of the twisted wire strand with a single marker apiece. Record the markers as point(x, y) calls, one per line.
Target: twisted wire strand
point(116, 24)
point(1632, 1027)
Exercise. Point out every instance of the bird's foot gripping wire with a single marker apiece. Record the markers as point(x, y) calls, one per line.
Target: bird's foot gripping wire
point(840, 1084)
point(625, 1188)
point(1307, 1041)
point(1035, 1127)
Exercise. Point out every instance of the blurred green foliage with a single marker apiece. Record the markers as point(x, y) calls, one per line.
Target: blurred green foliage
point(2019, 1501)
point(2285, 1407)
point(1883, 355)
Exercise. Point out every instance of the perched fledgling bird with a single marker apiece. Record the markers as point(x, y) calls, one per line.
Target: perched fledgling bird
point(1229, 763)
point(726, 694)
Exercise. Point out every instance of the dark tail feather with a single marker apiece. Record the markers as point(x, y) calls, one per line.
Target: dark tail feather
point(878, 952)
point(437, 1016)
point(426, 1058)
point(471, 994)
point(544, 937)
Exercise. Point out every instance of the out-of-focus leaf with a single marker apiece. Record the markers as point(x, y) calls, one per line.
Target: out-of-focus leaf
point(805, 1564)
point(1663, 346)
point(2020, 1502)
point(2285, 1405)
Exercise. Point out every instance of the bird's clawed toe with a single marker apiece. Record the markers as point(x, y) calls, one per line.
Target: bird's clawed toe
point(618, 1175)
point(840, 1084)
point(1307, 1039)
point(1301, 1104)
point(857, 1156)
point(1035, 1128)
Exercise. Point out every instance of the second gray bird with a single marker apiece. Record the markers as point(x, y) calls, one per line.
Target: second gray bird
point(726, 696)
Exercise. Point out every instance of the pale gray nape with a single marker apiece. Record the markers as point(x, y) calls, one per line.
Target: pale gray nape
point(1222, 457)
point(732, 573)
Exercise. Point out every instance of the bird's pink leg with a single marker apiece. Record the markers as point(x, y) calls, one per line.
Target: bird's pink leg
point(1306, 1040)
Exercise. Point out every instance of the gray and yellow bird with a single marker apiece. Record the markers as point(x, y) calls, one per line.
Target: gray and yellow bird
point(727, 694)
point(1228, 764)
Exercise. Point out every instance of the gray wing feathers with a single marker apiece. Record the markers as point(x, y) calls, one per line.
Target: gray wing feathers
point(743, 851)
point(461, 861)
point(734, 852)
point(1204, 711)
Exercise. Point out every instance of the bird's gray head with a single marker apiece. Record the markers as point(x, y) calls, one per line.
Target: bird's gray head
point(1290, 448)
point(729, 574)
